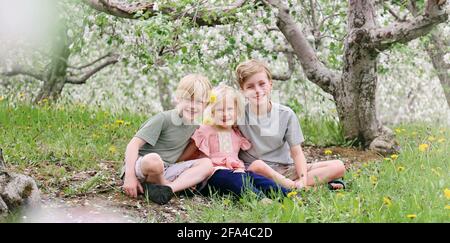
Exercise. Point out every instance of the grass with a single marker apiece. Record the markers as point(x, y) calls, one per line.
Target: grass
point(412, 187)
point(58, 140)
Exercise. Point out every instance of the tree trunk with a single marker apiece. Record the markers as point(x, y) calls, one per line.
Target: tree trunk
point(55, 77)
point(164, 93)
point(436, 50)
point(355, 95)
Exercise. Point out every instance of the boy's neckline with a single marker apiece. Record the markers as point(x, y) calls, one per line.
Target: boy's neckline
point(269, 111)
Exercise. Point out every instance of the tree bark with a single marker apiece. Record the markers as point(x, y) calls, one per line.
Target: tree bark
point(436, 51)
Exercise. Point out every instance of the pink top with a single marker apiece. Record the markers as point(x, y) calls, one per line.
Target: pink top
point(222, 147)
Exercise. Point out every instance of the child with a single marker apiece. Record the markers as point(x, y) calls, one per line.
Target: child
point(279, 151)
point(221, 141)
point(151, 155)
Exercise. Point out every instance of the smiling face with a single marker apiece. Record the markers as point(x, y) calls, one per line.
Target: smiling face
point(225, 112)
point(191, 108)
point(257, 89)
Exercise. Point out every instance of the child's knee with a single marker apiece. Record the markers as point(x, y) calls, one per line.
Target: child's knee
point(339, 168)
point(257, 165)
point(205, 163)
point(152, 164)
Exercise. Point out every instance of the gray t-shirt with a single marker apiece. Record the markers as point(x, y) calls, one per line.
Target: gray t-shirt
point(271, 135)
point(166, 135)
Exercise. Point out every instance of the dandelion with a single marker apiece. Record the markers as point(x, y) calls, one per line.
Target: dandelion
point(400, 168)
point(431, 138)
point(328, 152)
point(226, 202)
point(119, 122)
point(112, 149)
point(411, 216)
point(373, 179)
point(394, 156)
point(212, 98)
point(423, 147)
point(208, 121)
point(447, 193)
point(398, 130)
point(387, 201)
point(292, 194)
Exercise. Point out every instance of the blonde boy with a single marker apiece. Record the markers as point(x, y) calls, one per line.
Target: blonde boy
point(277, 153)
point(151, 154)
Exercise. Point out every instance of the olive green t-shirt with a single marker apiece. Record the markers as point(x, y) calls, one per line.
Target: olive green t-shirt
point(166, 135)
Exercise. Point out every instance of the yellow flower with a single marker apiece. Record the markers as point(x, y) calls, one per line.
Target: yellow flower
point(447, 193)
point(400, 168)
point(21, 94)
point(212, 98)
point(2, 98)
point(431, 138)
point(387, 201)
point(208, 121)
point(441, 140)
point(226, 202)
point(373, 179)
point(394, 156)
point(112, 149)
point(398, 130)
point(411, 216)
point(328, 152)
point(423, 147)
point(292, 194)
point(447, 206)
point(120, 122)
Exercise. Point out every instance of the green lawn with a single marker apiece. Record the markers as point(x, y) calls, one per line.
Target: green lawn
point(413, 187)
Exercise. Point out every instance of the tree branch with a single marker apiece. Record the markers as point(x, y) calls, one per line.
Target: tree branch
point(315, 70)
point(402, 32)
point(93, 62)
point(207, 17)
point(291, 67)
point(81, 80)
point(394, 14)
point(19, 70)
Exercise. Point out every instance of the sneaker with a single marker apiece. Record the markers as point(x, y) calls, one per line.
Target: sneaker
point(159, 194)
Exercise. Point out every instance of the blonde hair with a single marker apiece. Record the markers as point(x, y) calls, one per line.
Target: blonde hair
point(250, 68)
point(218, 95)
point(193, 85)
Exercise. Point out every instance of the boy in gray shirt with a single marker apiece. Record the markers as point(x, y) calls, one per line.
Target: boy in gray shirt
point(151, 155)
point(276, 137)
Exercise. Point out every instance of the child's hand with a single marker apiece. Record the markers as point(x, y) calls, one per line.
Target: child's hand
point(132, 186)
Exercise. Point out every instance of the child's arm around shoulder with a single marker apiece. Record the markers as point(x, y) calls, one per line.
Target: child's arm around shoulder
point(190, 152)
